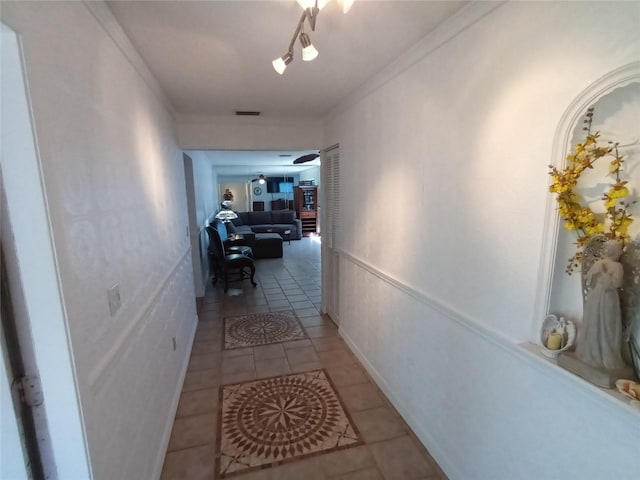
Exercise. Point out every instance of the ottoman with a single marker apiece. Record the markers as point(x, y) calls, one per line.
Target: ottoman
point(267, 245)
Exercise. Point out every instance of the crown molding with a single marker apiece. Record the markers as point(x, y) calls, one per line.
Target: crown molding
point(446, 31)
point(102, 13)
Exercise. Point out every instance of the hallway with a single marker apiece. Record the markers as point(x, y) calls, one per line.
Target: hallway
point(385, 447)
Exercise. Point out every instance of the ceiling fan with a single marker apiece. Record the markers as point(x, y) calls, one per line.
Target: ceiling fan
point(261, 180)
point(306, 158)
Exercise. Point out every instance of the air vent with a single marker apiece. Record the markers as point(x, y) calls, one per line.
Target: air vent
point(247, 113)
point(285, 155)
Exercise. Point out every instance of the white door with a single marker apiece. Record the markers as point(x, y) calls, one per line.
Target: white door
point(330, 232)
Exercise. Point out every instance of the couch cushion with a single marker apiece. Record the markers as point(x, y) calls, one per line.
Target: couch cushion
point(282, 227)
point(259, 218)
point(283, 216)
point(265, 228)
point(243, 230)
point(243, 219)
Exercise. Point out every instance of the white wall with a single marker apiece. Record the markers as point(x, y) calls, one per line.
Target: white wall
point(247, 133)
point(460, 137)
point(240, 192)
point(115, 187)
point(311, 174)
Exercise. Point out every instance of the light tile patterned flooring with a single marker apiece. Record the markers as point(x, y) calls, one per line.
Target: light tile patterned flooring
point(390, 450)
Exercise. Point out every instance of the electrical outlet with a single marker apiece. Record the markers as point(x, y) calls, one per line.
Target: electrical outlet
point(114, 299)
point(173, 342)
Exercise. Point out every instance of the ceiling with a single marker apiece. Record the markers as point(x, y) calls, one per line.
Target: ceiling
point(213, 57)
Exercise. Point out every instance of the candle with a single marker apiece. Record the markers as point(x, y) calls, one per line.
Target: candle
point(554, 341)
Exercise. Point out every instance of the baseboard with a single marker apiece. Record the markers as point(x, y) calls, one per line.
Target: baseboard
point(447, 466)
point(166, 436)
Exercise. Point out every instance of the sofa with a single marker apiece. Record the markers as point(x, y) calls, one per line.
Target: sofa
point(274, 221)
point(262, 245)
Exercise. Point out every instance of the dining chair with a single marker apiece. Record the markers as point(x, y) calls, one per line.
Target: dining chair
point(225, 264)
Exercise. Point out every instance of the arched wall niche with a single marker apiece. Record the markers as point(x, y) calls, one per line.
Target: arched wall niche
point(616, 98)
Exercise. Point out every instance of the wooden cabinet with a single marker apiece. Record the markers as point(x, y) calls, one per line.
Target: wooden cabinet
point(278, 204)
point(305, 199)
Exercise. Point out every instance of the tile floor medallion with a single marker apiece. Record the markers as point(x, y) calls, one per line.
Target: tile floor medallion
point(267, 422)
point(261, 329)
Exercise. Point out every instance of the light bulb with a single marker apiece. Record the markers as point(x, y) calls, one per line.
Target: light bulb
point(312, 3)
point(309, 53)
point(346, 5)
point(280, 64)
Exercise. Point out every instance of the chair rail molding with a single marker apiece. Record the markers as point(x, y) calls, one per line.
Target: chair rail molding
point(525, 353)
point(104, 363)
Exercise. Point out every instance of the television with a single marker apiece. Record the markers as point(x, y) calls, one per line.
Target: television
point(273, 185)
point(286, 187)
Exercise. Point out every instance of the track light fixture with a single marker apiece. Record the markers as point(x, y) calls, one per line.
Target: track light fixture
point(311, 8)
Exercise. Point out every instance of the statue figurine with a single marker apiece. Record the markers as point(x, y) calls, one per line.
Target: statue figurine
point(600, 338)
point(228, 195)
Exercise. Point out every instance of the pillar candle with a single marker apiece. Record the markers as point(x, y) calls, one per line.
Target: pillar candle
point(554, 341)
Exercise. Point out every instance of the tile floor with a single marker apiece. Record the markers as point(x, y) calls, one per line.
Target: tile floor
point(390, 450)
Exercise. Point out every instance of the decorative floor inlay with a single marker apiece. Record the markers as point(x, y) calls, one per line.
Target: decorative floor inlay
point(266, 422)
point(261, 329)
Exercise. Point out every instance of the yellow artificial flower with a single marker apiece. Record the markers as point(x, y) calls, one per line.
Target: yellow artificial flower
point(582, 219)
point(595, 229)
point(609, 202)
point(592, 139)
point(622, 225)
point(585, 215)
point(618, 191)
point(615, 165)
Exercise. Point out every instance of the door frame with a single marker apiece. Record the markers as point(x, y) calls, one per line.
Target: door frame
point(37, 278)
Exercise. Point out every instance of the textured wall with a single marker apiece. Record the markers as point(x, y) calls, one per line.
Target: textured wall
point(114, 179)
point(460, 141)
point(248, 133)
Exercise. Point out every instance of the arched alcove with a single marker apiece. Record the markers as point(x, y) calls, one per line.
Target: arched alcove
point(616, 100)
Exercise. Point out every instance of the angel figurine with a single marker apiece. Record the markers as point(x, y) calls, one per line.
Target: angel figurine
point(630, 302)
point(600, 338)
